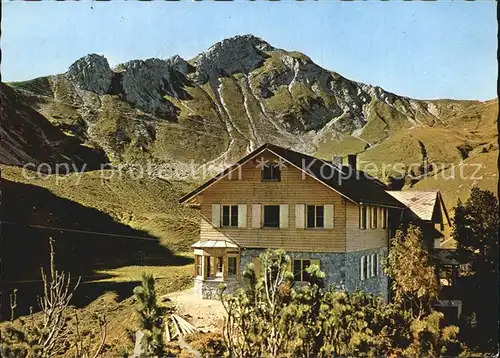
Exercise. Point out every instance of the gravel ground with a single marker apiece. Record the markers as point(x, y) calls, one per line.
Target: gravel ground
point(205, 315)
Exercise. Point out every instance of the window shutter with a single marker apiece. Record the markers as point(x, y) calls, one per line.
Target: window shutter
point(300, 213)
point(315, 262)
point(256, 216)
point(256, 265)
point(329, 212)
point(242, 215)
point(372, 265)
point(283, 215)
point(216, 215)
point(362, 268)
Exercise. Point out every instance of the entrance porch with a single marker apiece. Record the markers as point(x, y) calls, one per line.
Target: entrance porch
point(216, 262)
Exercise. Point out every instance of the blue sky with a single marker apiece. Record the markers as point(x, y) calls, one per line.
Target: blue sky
point(444, 49)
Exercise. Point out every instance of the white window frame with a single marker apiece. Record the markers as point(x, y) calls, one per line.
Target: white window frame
point(369, 266)
point(230, 215)
point(384, 218)
point(198, 265)
point(274, 168)
point(302, 269)
point(264, 216)
point(372, 265)
point(315, 217)
point(373, 217)
point(235, 257)
point(362, 268)
point(363, 221)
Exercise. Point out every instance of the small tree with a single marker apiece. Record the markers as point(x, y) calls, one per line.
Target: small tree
point(57, 293)
point(475, 228)
point(430, 339)
point(150, 317)
point(52, 333)
point(85, 349)
point(304, 311)
point(256, 321)
point(414, 281)
point(360, 324)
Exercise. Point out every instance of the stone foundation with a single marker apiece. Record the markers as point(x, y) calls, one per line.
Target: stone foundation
point(210, 289)
point(377, 285)
point(342, 270)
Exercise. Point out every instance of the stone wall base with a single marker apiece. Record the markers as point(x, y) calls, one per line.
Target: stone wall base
point(210, 289)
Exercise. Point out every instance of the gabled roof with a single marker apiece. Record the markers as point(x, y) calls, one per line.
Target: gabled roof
point(421, 203)
point(354, 185)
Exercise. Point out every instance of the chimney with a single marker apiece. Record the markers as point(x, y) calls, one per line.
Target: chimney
point(337, 161)
point(351, 160)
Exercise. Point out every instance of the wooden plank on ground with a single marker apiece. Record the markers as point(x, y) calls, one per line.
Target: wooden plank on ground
point(167, 332)
point(176, 326)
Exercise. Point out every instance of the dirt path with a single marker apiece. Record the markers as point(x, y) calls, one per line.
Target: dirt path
point(205, 315)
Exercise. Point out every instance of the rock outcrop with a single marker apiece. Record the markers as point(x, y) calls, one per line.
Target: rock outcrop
point(144, 84)
point(179, 64)
point(237, 54)
point(91, 73)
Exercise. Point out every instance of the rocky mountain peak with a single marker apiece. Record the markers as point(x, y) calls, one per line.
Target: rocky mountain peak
point(92, 73)
point(144, 83)
point(236, 54)
point(178, 64)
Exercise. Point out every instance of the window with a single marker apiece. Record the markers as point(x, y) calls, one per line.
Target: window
point(315, 216)
point(271, 172)
point(299, 269)
point(271, 216)
point(207, 265)
point(231, 265)
point(198, 265)
point(369, 266)
point(446, 275)
point(374, 217)
point(220, 266)
point(362, 217)
point(230, 215)
point(384, 218)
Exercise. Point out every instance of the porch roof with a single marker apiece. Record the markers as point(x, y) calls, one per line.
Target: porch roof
point(207, 244)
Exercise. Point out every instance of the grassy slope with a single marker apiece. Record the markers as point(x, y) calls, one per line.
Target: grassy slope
point(453, 185)
point(467, 131)
point(331, 145)
point(148, 206)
